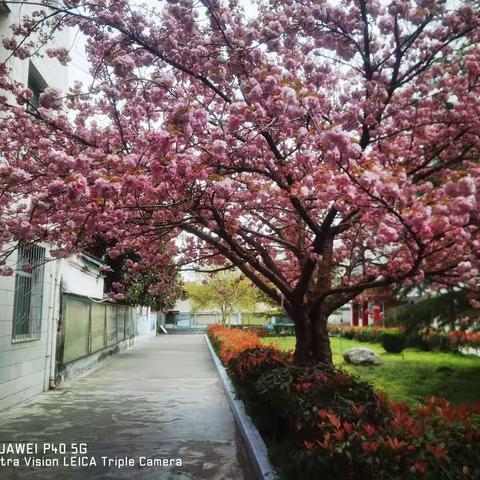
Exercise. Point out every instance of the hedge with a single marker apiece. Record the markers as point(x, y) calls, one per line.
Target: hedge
point(321, 422)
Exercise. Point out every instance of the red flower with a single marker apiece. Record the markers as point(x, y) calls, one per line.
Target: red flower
point(326, 441)
point(420, 466)
point(348, 427)
point(334, 420)
point(395, 444)
point(437, 451)
point(310, 446)
point(369, 429)
point(403, 420)
point(358, 410)
point(321, 378)
point(369, 447)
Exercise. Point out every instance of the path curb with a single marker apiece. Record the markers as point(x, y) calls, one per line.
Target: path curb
point(256, 448)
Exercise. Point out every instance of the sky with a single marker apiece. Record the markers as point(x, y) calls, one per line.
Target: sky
point(79, 67)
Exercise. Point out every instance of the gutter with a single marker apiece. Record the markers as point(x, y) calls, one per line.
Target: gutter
point(256, 448)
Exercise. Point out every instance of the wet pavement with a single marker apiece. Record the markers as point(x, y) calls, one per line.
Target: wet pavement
point(157, 411)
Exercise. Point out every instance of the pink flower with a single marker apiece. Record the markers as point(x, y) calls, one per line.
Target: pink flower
point(387, 234)
point(219, 147)
point(17, 175)
point(289, 94)
point(62, 54)
point(5, 271)
point(124, 65)
point(51, 98)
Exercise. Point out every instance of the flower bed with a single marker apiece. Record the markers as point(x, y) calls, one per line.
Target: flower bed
point(459, 338)
point(229, 342)
point(362, 334)
point(449, 341)
point(260, 330)
point(425, 339)
point(323, 423)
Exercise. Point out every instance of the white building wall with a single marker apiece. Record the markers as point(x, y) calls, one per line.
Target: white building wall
point(341, 316)
point(51, 70)
point(25, 366)
point(75, 279)
point(146, 323)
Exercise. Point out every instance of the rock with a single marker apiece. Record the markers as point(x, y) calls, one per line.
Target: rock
point(361, 356)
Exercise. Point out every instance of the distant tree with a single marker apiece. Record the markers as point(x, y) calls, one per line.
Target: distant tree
point(148, 290)
point(448, 309)
point(226, 291)
point(133, 281)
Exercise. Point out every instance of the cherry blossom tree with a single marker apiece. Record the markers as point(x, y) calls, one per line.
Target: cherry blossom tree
point(320, 147)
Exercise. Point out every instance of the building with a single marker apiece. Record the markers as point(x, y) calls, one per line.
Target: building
point(342, 316)
point(56, 323)
point(183, 315)
point(370, 307)
point(32, 303)
point(146, 322)
point(54, 319)
point(89, 326)
point(28, 300)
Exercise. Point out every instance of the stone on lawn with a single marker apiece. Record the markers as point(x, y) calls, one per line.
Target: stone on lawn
point(361, 356)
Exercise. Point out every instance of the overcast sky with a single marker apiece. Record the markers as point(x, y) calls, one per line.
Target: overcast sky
point(79, 67)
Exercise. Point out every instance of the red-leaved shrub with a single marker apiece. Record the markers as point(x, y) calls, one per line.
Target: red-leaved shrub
point(327, 424)
point(229, 342)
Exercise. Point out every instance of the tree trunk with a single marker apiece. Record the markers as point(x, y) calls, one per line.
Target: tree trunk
point(320, 339)
point(303, 335)
point(313, 342)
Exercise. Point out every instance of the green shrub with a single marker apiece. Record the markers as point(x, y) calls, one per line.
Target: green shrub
point(349, 334)
point(393, 342)
point(430, 339)
point(362, 334)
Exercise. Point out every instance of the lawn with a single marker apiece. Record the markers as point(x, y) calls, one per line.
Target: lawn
point(412, 377)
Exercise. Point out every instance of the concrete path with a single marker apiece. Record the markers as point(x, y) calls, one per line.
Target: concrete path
point(160, 400)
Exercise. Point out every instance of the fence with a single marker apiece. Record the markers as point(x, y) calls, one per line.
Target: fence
point(175, 319)
point(89, 326)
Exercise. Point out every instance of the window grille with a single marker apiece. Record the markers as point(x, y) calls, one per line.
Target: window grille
point(27, 308)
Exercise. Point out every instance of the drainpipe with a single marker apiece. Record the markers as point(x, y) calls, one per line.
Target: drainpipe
point(52, 330)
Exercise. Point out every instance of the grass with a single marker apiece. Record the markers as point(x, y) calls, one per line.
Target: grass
point(412, 377)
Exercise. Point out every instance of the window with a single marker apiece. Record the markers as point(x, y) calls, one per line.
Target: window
point(4, 8)
point(27, 307)
point(36, 84)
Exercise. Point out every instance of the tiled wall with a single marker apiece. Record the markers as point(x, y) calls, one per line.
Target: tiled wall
point(24, 366)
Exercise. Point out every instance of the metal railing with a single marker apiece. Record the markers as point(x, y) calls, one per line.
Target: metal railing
point(28, 297)
point(89, 326)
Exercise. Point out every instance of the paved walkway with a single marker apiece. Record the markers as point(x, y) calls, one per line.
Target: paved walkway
point(160, 400)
